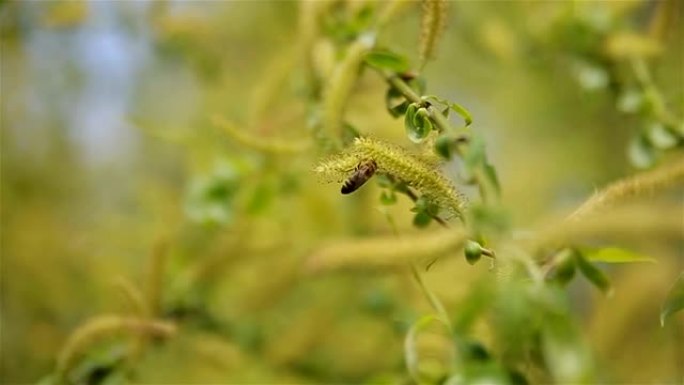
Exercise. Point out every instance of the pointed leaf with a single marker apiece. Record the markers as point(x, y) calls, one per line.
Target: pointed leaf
point(593, 274)
point(641, 152)
point(459, 109)
point(674, 301)
point(422, 219)
point(386, 60)
point(388, 198)
point(615, 255)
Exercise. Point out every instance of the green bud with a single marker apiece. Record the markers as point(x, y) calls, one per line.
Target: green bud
point(473, 252)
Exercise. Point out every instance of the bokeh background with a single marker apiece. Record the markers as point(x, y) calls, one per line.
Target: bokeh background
point(110, 159)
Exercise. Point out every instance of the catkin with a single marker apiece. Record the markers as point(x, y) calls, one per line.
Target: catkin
point(102, 327)
point(432, 25)
point(268, 145)
point(342, 81)
point(385, 252)
point(395, 161)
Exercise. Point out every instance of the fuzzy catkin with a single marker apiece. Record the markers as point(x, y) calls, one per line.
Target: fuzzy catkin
point(102, 327)
point(342, 81)
point(384, 252)
point(432, 25)
point(269, 145)
point(395, 161)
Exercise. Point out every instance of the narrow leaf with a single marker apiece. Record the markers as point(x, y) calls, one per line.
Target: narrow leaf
point(615, 255)
point(422, 219)
point(459, 109)
point(386, 60)
point(593, 274)
point(465, 114)
point(674, 301)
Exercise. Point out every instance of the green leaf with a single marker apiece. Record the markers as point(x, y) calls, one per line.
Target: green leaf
point(472, 251)
point(349, 133)
point(395, 102)
point(492, 178)
point(564, 266)
point(565, 354)
point(384, 180)
point(422, 122)
point(388, 198)
point(459, 109)
point(443, 146)
point(386, 60)
point(417, 123)
point(411, 349)
point(409, 118)
point(674, 301)
point(615, 255)
point(641, 152)
point(465, 114)
point(660, 136)
point(422, 219)
point(630, 101)
point(593, 274)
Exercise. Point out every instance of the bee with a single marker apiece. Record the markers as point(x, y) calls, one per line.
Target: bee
point(362, 173)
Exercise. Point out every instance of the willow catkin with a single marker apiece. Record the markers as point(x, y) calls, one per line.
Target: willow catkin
point(342, 80)
point(432, 25)
point(642, 183)
point(385, 252)
point(398, 163)
point(269, 145)
point(102, 327)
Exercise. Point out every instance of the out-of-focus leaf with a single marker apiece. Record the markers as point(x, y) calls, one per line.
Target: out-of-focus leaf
point(614, 255)
point(564, 266)
point(492, 178)
point(631, 101)
point(443, 146)
point(566, 356)
point(395, 102)
point(388, 198)
point(628, 44)
point(592, 77)
point(387, 60)
point(486, 219)
point(660, 136)
point(349, 133)
point(261, 197)
point(641, 152)
point(383, 180)
point(422, 219)
point(674, 301)
point(593, 274)
point(411, 354)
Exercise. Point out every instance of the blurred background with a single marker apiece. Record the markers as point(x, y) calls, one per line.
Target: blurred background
point(115, 181)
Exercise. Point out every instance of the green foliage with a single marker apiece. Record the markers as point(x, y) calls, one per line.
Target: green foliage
point(261, 274)
point(674, 301)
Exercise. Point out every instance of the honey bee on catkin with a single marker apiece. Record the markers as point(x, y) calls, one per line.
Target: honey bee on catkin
point(362, 173)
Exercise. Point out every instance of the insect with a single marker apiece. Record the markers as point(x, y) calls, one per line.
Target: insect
point(362, 173)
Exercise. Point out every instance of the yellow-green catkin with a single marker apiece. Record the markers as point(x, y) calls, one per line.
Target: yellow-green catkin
point(340, 85)
point(395, 161)
point(269, 145)
point(384, 252)
point(643, 183)
point(103, 327)
point(432, 25)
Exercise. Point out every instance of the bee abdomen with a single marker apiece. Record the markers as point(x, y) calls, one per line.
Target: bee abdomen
point(362, 173)
point(349, 187)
